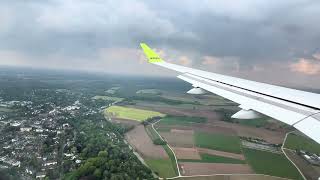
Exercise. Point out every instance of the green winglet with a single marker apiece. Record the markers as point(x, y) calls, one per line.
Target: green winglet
point(151, 55)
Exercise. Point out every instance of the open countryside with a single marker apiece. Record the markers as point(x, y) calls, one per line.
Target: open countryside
point(200, 142)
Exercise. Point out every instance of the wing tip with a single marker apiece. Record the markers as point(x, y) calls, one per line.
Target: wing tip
point(152, 56)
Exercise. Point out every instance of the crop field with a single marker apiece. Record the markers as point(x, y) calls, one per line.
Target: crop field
point(260, 122)
point(141, 142)
point(108, 98)
point(181, 120)
point(294, 142)
point(221, 153)
point(186, 153)
point(152, 134)
point(179, 138)
point(232, 177)
point(172, 159)
point(309, 171)
point(273, 164)
point(218, 142)
point(132, 113)
point(163, 167)
point(195, 168)
point(208, 158)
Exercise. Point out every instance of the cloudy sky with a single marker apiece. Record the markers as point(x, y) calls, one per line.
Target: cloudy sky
point(266, 40)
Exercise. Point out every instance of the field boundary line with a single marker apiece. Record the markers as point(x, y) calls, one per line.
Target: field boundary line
point(175, 158)
point(282, 149)
point(209, 175)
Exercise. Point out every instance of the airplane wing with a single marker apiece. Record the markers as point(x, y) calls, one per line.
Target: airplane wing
point(297, 108)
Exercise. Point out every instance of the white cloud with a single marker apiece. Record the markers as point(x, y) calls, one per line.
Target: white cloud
point(316, 56)
point(109, 16)
point(210, 60)
point(306, 66)
point(6, 20)
point(227, 64)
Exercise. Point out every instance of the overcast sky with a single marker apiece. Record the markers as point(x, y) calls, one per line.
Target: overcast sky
point(266, 40)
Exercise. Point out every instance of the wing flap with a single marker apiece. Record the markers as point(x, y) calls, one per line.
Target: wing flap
point(281, 113)
point(310, 127)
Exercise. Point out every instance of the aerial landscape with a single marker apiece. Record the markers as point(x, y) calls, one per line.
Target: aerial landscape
point(146, 90)
point(71, 125)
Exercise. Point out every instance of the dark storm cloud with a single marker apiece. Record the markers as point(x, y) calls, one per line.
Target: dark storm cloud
point(246, 33)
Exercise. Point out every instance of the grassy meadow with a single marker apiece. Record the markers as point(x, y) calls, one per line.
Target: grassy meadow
point(218, 142)
point(294, 142)
point(132, 113)
point(273, 164)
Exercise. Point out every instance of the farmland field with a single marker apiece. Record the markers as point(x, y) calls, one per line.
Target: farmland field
point(294, 141)
point(163, 167)
point(260, 122)
point(181, 120)
point(172, 159)
point(263, 162)
point(132, 113)
point(179, 138)
point(152, 134)
point(195, 168)
point(218, 142)
point(207, 158)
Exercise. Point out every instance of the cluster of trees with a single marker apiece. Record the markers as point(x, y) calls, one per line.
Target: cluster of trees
point(159, 141)
point(225, 114)
point(104, 153)
point(151, 120)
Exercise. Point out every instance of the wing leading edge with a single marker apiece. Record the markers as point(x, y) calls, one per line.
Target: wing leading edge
point(297, 108)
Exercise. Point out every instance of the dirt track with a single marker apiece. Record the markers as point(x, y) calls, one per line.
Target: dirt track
point(221, 153)
point(186, 153)
point(191, 168)
point(140, 141)
point(308, 170)
point(233, 177)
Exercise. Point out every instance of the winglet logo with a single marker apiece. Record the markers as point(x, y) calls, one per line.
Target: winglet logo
point(151, 55)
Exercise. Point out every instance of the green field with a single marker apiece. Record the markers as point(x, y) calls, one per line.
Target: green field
point(218, 142)
point(172, 159)
point(163, 167)
point(273, 164)
point(132, 113)
point(294, 142)
point(154, 136)
point(162, 129)
point(208, 158)
point(181, 120)
point(108, 98)
point(156, 139)
point(261, 122)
